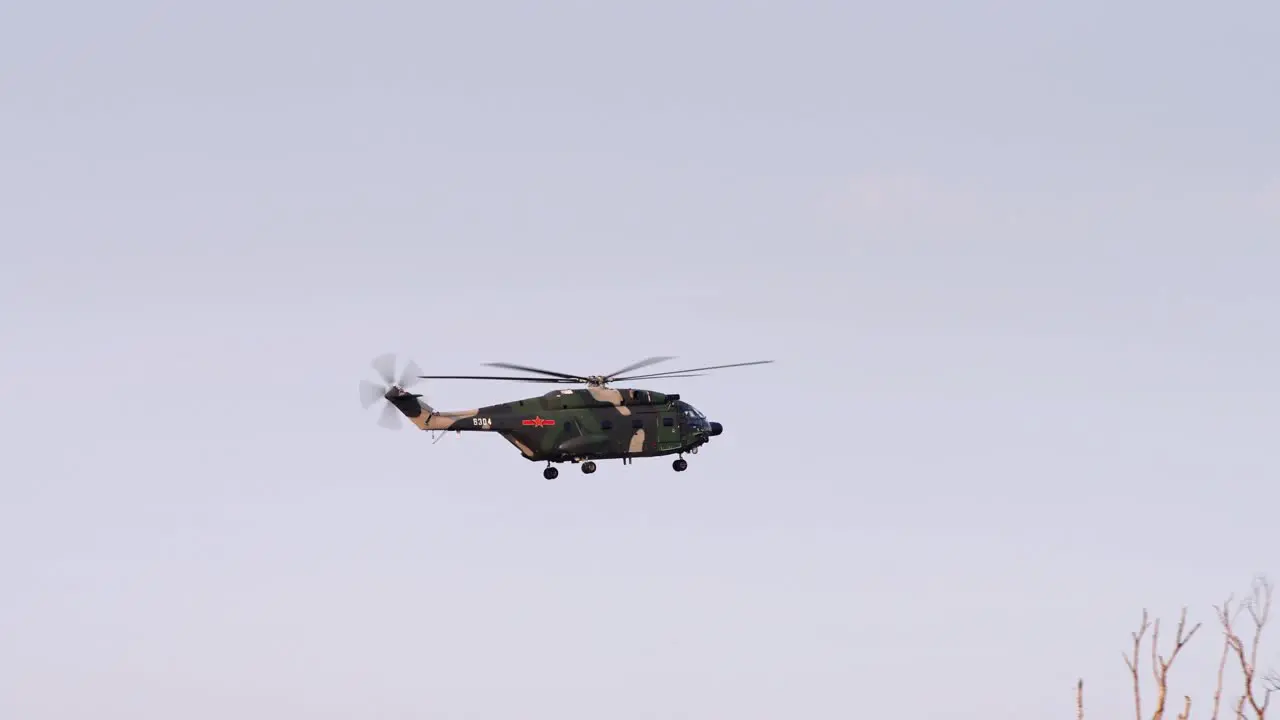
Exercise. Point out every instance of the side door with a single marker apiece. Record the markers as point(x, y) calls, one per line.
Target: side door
point(668, 422)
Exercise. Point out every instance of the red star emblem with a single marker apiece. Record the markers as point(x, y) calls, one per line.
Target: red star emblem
point(538, 421)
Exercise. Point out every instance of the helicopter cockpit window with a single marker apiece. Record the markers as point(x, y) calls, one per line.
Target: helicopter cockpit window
point(690, 411)
point(691, 416)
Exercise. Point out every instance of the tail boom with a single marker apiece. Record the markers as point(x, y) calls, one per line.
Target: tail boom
point(425, 417)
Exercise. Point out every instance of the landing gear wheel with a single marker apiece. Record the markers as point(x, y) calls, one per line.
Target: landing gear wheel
point(551, 473)
point(680, 465)
point(589, 467)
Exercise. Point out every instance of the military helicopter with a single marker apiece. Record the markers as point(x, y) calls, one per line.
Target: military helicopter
point(578, 426)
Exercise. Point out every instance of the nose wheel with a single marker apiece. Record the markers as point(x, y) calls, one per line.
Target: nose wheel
point(551, 473)
point(680, 465)
point(588, 467)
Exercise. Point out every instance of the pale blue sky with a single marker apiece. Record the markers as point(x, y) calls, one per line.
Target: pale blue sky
point(1016, 261)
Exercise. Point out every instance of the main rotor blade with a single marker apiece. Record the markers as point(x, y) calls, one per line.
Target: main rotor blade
point(688, 370)
point(643, 363)
point(660, 377)
point(501, 377)
point(385, 366)
point(509, 366)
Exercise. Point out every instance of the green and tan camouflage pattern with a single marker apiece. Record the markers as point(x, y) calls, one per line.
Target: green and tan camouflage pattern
point(576, 425)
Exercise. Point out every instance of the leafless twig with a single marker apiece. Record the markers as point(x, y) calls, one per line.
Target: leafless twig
point(1080, 699)
point(1161, 669)
point(1258, 606)
point(1222, 662)
point(1133, 665)
point(1159, 665)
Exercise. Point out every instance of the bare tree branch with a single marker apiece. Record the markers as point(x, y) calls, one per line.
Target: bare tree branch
point(1162, 666)
point(1222, 663)
point(1260, 612)
point(1254, 700)
point(1133, 665)
point(1258, 606)
point(1155, 650)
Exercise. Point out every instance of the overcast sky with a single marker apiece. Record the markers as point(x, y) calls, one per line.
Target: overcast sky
point(1017, 264)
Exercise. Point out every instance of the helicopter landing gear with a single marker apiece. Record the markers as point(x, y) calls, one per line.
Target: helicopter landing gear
point(588, 467)
point(551, 473)
point(680, 465)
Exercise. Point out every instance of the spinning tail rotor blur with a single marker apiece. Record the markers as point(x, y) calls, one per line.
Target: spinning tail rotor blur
point(392, 385)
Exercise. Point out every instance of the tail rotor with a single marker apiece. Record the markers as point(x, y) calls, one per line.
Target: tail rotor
point(371, 393)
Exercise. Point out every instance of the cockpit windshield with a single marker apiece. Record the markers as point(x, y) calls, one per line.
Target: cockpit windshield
point(692, 415)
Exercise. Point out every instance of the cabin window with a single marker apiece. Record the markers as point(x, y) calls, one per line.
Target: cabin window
point(668, 422)
point(606, 424)
point(637, 423)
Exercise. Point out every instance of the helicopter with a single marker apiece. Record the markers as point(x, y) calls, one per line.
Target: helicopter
point(577, 425)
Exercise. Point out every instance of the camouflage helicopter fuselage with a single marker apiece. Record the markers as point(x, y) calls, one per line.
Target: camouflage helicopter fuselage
point(578, 425)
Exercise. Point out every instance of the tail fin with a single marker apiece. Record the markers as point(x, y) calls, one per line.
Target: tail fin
point(411, 405)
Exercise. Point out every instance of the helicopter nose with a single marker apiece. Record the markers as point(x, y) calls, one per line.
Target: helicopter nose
point(716, 428)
